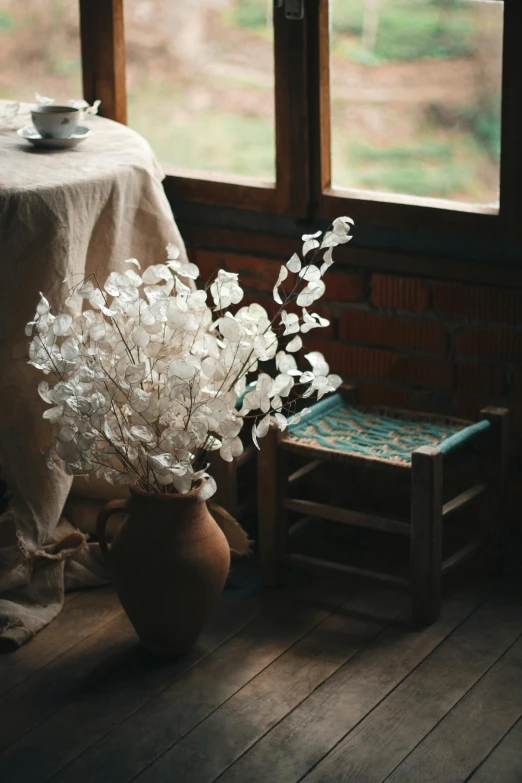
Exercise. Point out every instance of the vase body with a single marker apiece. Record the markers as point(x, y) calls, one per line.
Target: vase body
point(169, 561)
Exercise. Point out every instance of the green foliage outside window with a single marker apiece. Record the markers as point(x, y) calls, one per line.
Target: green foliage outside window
point(407, 30)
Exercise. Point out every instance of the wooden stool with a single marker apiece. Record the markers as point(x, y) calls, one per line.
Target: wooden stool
point(423, 444)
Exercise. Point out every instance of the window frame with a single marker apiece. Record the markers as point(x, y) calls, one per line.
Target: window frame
point(103, 64)
point(303, 187)
point(410, 212)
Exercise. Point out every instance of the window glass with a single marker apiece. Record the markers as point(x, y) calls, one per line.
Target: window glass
point(200, 83)
point(40, 50)
point(416, 91)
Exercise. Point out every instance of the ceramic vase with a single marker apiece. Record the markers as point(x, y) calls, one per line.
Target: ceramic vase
point(169, 560)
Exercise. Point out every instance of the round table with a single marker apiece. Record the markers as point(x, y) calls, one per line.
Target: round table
point(62, 212)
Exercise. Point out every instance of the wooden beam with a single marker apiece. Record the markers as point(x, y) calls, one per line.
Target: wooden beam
point(426, 534)
point(495, 458)
point(296, 528)
point(324, 452)
point(464, 499)
point(347, 517)
point(261, 241)
point(292, 113)
point(318, 47)
point(460, 557)
point(296, 477)
point(103, 56)
point(256, 196)
point(510, 162)
point(316, 563)
point(271, 513)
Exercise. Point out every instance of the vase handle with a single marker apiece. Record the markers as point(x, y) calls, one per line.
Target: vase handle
point(113, 507)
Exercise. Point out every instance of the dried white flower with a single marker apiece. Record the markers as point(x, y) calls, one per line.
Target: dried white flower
point(146, 380)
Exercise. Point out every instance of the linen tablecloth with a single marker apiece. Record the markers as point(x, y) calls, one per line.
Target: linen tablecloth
point(62, 213)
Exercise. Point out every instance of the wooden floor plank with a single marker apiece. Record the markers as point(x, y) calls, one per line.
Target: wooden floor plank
point(81, 616)
point(285, 675)
point(290, 749)
point(505, 759)
point(284, 686)
point(394, 728)
point(460, 742)
point(285, 618)
point(111, 697)
point(49, 689)
point(222, 736)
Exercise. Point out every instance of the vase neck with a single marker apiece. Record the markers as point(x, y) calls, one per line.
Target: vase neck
point(167, 515)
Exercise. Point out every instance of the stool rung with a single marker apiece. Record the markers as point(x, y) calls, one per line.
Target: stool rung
point(461, 556)
point(360, 519)
point(294, 529)
point(365, 573)
point(464, 499)
point(300, 474)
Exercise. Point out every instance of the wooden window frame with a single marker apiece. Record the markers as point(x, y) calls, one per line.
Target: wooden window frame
point(103, 63)
point(409, 212)
point(303, 188)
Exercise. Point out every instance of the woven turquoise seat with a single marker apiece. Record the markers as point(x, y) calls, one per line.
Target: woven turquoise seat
point(387, 436)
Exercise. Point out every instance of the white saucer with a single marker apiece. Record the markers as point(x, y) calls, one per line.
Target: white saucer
point(30, 133)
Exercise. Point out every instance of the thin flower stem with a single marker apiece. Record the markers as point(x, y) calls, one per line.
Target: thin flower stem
point(97, 401)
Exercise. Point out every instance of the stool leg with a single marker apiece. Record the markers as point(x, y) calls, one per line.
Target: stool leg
point(496, 460)
point(270, 512)
point(426, 535)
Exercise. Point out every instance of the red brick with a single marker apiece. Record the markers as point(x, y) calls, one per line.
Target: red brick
point(392, 331)
point(425, 373)
point(255, 273)
point(479, 302)
point(354, 360)
point(350, 360)
point(467, 407)
point(342, 286)
point(401, 293)
point(428, 401)
point(480, 379)
point(381, 394)
point(495, 344)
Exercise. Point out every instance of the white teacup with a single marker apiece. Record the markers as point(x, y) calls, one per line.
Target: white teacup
point(55, 122)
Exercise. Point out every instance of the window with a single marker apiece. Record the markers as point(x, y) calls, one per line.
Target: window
point(415, 97)
point(200, 85)
point(404, 113)
point(40, 50)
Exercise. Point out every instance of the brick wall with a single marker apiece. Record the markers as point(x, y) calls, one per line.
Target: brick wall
point(421, 344)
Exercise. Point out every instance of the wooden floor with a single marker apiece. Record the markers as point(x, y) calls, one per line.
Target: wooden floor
point(312, 682)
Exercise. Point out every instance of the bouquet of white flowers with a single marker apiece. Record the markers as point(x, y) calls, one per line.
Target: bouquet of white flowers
point(148, 379)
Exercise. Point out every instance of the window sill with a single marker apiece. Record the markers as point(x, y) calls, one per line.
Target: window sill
point(410, 251)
